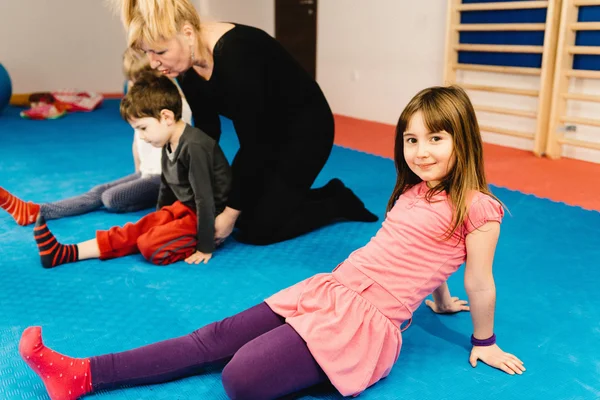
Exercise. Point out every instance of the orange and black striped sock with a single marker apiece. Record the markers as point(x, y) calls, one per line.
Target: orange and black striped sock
point(52, 253)
point(24, 213)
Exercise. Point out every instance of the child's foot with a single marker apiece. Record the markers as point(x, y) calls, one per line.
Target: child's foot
point(65, 378)
point(52, 253)
point(24, 213)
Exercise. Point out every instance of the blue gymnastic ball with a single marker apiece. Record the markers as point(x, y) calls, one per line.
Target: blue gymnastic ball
point(5, 88)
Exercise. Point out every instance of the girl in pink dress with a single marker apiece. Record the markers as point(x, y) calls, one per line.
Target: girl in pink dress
point(344, 326)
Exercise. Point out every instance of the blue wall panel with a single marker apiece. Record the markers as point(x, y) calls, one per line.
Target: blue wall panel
point(588, 38)
point(535, 38)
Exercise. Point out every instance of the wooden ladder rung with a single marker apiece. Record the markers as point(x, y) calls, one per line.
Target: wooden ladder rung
point(594, 50)
point(499, 27)
point(579, 143)
point(582, 73)
point(500, 48)
point(506, 111)
point(498, 89)
point(581, 97)
point(581, 121)
point(584, 3)
point(585, 26)
point(509, 5)
point(508, 132)
point(498, 68)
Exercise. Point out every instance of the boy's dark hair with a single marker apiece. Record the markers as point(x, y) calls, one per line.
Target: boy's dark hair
point(149, 95)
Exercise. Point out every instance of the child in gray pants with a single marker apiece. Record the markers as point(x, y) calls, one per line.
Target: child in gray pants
point(133, 192)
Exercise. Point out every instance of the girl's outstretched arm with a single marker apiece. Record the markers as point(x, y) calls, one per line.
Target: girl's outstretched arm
point(480, 287)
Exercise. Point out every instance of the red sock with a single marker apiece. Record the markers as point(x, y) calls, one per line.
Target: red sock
point(52, 253)
point(65, 378)
point(24, 213)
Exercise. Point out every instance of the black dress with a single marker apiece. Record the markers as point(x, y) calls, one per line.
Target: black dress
point(285, 128)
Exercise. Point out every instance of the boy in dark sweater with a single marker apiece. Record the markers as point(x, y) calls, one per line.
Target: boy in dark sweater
point(196, 180)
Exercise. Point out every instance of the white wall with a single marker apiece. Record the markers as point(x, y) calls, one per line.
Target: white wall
point(258, 13)
point(500, 100)
point(584, 110)
point(54, 44)
point(371, 59)
point(524, 103)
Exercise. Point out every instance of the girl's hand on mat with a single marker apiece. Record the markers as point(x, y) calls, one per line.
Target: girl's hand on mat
point(495, 357)
point(198, 257)
point(456, 305)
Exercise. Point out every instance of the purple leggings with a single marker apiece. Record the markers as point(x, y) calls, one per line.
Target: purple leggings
point(266, 358)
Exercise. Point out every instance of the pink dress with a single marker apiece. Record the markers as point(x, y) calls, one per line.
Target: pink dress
point(350, 318)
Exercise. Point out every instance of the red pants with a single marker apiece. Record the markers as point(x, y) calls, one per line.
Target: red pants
point(163, 237)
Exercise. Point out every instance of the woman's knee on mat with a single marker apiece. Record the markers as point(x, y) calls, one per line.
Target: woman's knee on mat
point(253, 231)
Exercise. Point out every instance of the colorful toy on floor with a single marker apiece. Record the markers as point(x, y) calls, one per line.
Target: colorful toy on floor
point(52, 105)
point(44, 106)
point(43, 111)
point(78, 101)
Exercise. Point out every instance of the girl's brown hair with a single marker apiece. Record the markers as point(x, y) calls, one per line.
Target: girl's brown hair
point(445, 109)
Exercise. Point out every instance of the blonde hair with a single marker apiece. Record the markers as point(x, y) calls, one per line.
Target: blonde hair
point(153, 21)
point(134, 64)
point(445, 109)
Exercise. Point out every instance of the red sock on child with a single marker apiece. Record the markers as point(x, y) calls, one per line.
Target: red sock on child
point(52, 253)
point(65, 378)
point(24, 213)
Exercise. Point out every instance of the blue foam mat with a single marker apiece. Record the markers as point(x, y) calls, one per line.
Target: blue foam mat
point(546, 271)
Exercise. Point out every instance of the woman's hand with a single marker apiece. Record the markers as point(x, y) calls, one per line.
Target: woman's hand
point(495, 357)
point(224, 224)
point(454, 306)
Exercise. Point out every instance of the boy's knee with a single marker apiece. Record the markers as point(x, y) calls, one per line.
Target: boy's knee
point(148, 249)
point(159, 252)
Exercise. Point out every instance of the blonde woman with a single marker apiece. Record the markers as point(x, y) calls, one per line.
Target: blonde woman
point(284, 124)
